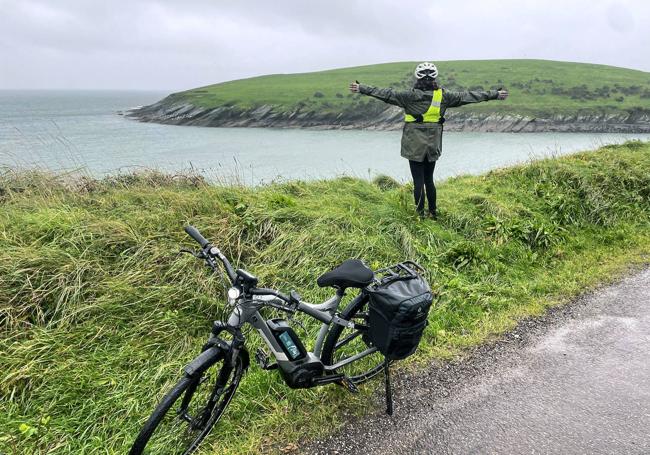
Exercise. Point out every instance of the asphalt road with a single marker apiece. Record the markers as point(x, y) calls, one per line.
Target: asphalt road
point(576, 381)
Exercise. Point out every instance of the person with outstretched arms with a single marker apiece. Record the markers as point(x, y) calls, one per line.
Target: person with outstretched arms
point(424, 115)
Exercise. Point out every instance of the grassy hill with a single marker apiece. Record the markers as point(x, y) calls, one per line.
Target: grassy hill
point(98, 312)
point(537, 87)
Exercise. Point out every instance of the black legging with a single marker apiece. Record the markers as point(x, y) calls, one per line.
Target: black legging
point(423, 180)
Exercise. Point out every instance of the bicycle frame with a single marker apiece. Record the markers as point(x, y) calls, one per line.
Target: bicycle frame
point(247, 299)
point(248, 312)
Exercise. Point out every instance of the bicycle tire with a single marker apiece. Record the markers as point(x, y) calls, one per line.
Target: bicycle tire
point(357, 310)
point(142, 444)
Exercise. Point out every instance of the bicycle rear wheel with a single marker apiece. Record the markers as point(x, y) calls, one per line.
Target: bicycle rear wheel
point(189, 411)
point(343, 343)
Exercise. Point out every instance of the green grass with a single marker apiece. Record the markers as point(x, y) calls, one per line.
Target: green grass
point(537, 87)
point(98, 313)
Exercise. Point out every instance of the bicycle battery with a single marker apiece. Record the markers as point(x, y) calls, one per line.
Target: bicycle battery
point(287, 339)
point(301, 367)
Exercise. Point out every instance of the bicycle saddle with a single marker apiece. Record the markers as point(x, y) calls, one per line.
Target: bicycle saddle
point(349, 274)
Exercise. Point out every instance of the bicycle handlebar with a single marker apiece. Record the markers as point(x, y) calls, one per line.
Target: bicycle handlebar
point(196, 235)
point(211, 252)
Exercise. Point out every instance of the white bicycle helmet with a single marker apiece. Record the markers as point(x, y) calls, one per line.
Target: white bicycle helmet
point(426, 69)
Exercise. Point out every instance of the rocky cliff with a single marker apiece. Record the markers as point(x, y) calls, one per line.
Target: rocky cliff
point(381, 117)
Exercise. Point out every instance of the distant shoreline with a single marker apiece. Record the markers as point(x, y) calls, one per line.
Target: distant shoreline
point(390, 118)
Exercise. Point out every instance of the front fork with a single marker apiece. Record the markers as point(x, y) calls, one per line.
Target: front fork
point(232, 350)
point(230, 361)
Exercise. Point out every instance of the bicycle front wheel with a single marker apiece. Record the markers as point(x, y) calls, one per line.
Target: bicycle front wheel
point(189, 411)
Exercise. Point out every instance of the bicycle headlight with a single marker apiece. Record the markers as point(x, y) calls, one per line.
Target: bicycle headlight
point(233, 295)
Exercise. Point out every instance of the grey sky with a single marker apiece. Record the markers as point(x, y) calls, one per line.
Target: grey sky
point(172, 45)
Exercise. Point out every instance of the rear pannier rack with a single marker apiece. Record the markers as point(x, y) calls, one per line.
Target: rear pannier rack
point(402, 270)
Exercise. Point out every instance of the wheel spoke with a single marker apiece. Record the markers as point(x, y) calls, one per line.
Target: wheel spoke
point(186, 417)
point(351, 354)
point(192, 410)
point(347, 339)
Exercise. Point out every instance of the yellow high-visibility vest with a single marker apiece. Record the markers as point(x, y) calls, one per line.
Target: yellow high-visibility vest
point(432, 115)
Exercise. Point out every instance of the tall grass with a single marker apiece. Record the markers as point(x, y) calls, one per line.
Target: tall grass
point(98, 311)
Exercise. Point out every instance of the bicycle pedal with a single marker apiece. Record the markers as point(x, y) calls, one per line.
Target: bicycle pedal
point(349, 385)
point(264, 361)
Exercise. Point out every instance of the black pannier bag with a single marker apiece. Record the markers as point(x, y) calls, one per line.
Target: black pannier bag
point(399, 305)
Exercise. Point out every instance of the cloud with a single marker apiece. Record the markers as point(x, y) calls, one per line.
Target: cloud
point(166, 44)
point(620, 18)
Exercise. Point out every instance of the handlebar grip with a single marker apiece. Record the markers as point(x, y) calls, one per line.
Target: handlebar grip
point(196, 235)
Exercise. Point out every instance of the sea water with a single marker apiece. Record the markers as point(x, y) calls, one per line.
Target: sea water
point(82, 131)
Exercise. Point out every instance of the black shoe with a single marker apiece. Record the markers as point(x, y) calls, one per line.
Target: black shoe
point(432, 215)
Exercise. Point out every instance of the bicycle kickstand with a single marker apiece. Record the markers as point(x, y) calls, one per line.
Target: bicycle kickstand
point(389, 390)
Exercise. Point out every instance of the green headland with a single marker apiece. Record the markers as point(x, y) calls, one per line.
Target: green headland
point(545, 96)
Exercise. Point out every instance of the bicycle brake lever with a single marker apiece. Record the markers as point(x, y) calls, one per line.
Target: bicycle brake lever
point(199, 255)
point(297, 321)
point(294, 299)
point(294, 303)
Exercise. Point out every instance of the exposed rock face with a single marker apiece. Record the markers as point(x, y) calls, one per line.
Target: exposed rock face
point(384, 118)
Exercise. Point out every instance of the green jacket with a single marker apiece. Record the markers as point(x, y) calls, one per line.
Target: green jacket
point(422, 141)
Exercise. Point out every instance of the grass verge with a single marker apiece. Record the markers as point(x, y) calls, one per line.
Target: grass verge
point(98, 313)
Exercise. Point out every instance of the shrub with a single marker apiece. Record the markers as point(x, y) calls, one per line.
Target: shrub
point(385, 182)
point(464, 254)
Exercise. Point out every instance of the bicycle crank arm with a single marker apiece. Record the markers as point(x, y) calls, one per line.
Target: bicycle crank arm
point(330, 378)
point(339, 379)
